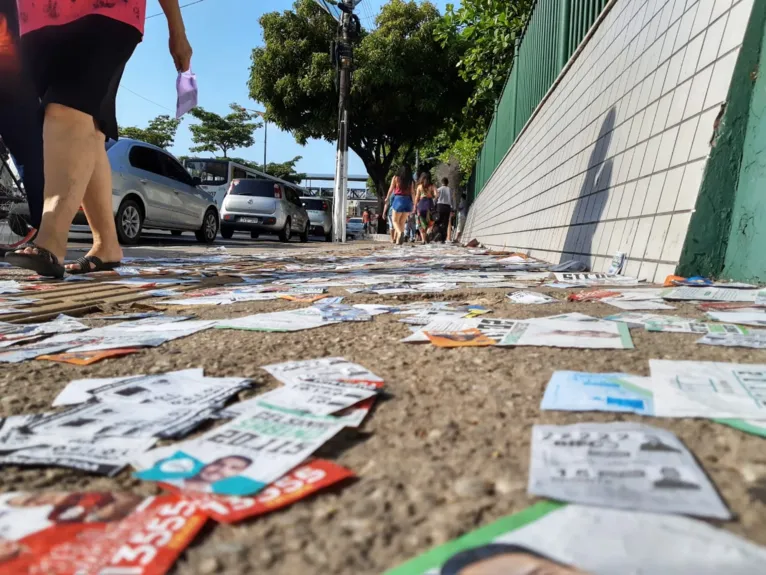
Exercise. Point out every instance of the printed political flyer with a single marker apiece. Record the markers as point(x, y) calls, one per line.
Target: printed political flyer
point(62, 533)
point(528, 297)
point(682, 325)
point(300, 483)
point(753, 426)
point(325, 369)
point(87, 357)
point(636, 305)
point(121, 420)
point(440, 324)
point(593, 295)
point(749, 316)
point(561, 333)
point(240, 457)
point(755, 339)
point(495, 328)
point(294, 320)
point(569, 540)
point(100, 455)
point(578, 391)
point(622, 465)
point(463, 338)
point(340, 312)
point(711, 294)
point(708, 389)
point(637, 320)
point(618, 261)
point(594, 279)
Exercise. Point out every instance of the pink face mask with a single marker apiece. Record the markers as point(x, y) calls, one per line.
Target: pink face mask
point(186, 86)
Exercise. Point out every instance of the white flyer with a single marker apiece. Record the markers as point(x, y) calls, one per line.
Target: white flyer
point(675, 325)
point(439, 325)
point(752, 317)
point(496, 328)
point(754, 338)
point(121, 420)
point(621, 465)
point(101, 455)
point(711, 294)
point(635, 305)
point(562, 333)
point(294, 320)
point(240, 457)
point(323, 370)
point(708, 389)
point(528, 297)
point(642, 319)
point(594, 279)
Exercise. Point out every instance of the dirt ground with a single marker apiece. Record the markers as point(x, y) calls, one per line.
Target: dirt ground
point(446, 453)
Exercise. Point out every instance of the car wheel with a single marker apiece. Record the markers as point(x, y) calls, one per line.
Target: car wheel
point(286, 233)
point(226, 232)
point(129, 221)
point(175, 232)
point(209, 230)
point(254, 235)
point(305, 234)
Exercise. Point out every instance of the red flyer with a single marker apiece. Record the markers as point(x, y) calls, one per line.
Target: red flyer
point(593, 295)
point(296, 485)
point(94, 533)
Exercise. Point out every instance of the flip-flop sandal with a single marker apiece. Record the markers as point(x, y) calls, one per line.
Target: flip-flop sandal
point(85, 265)
point(43, 262)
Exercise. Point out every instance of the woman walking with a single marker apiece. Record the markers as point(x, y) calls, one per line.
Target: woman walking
point(76, 53)
point(400, 198)
point(424, 200)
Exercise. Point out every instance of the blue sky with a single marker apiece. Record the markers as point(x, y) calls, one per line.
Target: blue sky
point(222, 34)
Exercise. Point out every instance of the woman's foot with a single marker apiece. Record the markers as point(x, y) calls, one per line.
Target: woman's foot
point(96, 261)
point(37, 259)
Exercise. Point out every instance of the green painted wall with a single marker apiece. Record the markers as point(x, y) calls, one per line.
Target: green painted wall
point(746, 249)
point(706, 250)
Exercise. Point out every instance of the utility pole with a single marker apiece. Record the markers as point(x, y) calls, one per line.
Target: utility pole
point(343, 56)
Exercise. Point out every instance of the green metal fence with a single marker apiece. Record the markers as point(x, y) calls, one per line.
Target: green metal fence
point(553, 32)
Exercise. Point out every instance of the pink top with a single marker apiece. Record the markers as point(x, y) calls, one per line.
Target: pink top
point(36, 14)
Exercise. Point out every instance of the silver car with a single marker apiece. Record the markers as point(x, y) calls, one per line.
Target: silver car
point(320, 216)
point(263, 206)
point(151, 189)
point(355, 229)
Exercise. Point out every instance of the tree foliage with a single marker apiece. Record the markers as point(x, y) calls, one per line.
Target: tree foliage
point(284, 170)
point(224, 133)
point(405, 86)
point(160, 132)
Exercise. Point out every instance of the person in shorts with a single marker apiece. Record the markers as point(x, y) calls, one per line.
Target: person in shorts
point(401, 195)
point(21, 127)
point(75, 53)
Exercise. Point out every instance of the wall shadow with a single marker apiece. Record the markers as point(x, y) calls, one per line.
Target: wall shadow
point(579, 238)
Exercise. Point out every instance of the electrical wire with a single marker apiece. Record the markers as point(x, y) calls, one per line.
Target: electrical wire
point(182, 7)
point(147, 99)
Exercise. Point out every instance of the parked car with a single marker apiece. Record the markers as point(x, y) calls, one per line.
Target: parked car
point(320, 216)
point(152, 190)
point(355, 228)
point(263, 206)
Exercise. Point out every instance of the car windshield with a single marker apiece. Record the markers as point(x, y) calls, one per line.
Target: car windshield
point(210, 173)
point(314, 204)
point(259, 188)
point(355, 221)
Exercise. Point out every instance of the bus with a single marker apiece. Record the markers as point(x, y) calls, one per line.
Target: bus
point(216, 176)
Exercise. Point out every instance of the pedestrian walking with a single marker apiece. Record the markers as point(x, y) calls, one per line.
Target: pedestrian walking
point(21, 127)
point(366, 220)
point(424, 200)
point(400, 197)
point(462, 214)
point(76, 53)
point(444, 208)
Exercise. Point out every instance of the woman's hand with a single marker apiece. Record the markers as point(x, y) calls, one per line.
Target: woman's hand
point(180, 50)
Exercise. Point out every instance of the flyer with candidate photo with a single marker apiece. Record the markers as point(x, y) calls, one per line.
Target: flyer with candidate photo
point(240, 457)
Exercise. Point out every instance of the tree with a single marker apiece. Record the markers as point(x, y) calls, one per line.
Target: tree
point(224, 133)
point(405, 82)
point(284, 170)
point(160, 132)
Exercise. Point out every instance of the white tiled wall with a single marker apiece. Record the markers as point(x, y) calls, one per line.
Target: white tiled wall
point(615, 158)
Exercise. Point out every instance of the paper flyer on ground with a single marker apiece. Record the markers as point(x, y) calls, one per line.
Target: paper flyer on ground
point(67, 533)
point(753, 317)
point(300, 483)
point(240, 457)
point(294, 320)
point(562, 333)
point(683, 325)
point(621, 465)
point(325, 369)
point(708, 389)
point(617, 392)
point(755, 339)
point(549, 539)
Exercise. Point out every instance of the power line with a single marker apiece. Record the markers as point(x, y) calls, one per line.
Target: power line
point(184, 6)
point(145, 98)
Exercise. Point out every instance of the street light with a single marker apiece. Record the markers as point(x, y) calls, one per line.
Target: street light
point(265, 131)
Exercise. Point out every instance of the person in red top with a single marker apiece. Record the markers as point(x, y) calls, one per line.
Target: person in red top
point(76, 51)
point(366, 220)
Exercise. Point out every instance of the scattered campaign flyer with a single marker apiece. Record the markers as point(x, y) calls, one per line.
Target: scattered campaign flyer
point(708, 389)
point(570, 540)
point(62, 533)
point(683, 325)
point(341, 312)
point(323, 370)
point(618, 261)
point(594, 279)
point(562, 333)
point(711, 294)
point(302, 482)
point(636, 305)
point(636, 320)
point(121, 420)
point(755, 339)
point(439, 324)
point(88, 357)
point(754, 426)
point(293, 320)
point(495, 328)
point(593, 295)
point(621, 465)
point(753, 317)
point(100, 455)
point(529, 297)
point(464, 338)
point(240, 457)
point(617, 392)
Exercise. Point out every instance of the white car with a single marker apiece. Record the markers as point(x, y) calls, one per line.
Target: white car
point(354, 229)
